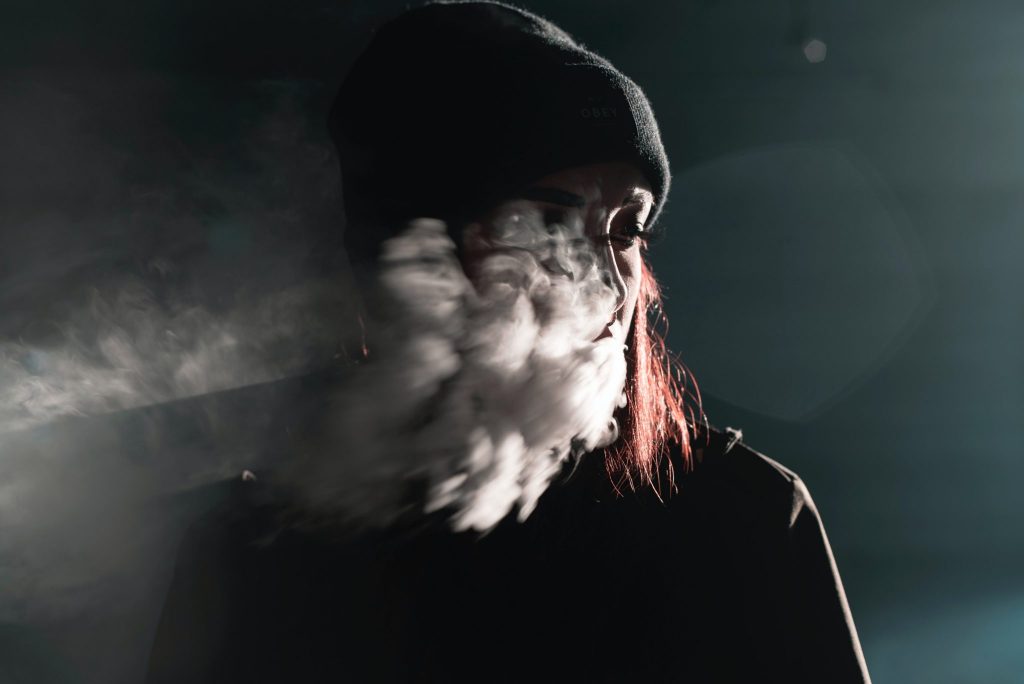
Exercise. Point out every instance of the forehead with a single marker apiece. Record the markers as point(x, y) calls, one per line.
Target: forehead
point(611, 183)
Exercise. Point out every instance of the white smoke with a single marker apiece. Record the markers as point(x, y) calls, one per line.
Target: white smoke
point(478, 389)
point(124, 349)
point(136, 399)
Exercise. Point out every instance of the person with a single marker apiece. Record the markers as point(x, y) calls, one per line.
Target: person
point(674, 553)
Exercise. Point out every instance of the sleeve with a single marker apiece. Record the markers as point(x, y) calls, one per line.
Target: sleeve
point(822, 633)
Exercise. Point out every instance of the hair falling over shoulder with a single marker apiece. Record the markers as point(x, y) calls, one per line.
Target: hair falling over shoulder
point(663, 402)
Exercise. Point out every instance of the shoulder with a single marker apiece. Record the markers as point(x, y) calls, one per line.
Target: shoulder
point(728, 474)
point(234, 518)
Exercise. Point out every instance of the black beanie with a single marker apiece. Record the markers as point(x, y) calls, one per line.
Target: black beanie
point(454, 106)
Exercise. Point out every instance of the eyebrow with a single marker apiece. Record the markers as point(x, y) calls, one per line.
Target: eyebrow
point(638, 197)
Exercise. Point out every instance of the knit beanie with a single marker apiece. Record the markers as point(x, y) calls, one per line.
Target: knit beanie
point(455, 106)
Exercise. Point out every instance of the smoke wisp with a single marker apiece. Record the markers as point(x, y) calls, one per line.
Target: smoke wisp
point(125, 350)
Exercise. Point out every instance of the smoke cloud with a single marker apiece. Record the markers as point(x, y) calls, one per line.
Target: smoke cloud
point(477, 389)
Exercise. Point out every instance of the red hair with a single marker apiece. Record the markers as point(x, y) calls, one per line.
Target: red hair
point(663, 402)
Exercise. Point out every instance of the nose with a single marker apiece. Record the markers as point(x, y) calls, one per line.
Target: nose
point(613, 276)
point(611, 273)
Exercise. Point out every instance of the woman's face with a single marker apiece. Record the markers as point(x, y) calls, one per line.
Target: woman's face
point(614, 201)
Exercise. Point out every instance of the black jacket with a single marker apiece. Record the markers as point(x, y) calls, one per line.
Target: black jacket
point(729, 580)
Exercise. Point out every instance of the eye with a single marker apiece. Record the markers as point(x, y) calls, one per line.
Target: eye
point(627, 236)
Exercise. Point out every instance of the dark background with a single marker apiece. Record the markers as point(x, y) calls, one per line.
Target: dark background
point(841, 258)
